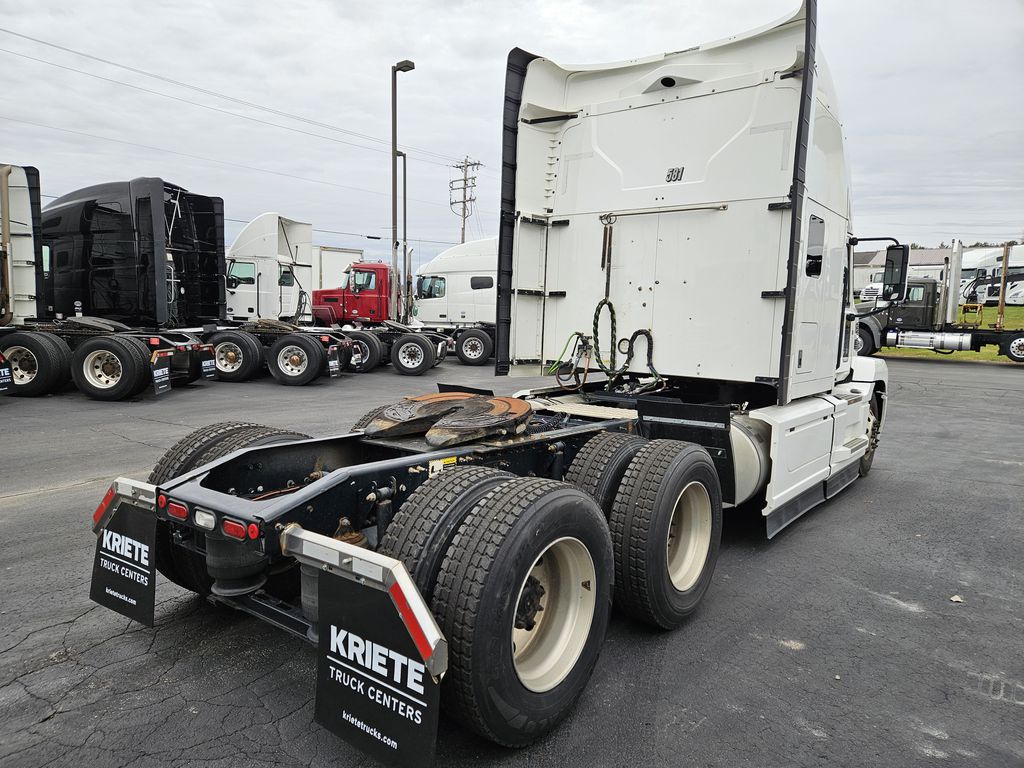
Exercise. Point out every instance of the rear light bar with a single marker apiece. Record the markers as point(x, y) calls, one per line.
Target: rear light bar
point(233, 528)
point(177, 510)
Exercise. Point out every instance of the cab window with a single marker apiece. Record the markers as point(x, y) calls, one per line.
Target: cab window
point(244, 272)
point(363, 281)
point(432, 288)
point(916, 293)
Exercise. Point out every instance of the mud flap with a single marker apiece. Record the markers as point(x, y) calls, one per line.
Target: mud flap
point(5, 375)
point(123, 571)
point(372, 689)
point(160, 364)
point(334, 361)
point(208, 361)
point(381, 655)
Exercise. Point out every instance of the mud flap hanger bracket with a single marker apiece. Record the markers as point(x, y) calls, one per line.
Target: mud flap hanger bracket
point(372, 569)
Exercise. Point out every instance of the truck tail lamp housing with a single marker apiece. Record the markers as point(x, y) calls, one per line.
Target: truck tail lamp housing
point(233, 528)
point(177, 510)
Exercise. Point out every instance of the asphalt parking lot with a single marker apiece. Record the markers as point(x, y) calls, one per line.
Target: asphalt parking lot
point(834, 644)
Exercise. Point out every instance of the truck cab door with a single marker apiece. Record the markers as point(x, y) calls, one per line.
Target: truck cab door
point(287, 293)
point(243, 291)
point(916, 311)
point(363, 300)
point(433, 300)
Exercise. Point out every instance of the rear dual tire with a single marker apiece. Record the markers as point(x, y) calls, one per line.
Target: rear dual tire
point(371, 351)
point(474, 347)
point(111, 367)
point(412, 354)
point(518, 574)
point(39, 362)
point(296, 359)
point(238, 355)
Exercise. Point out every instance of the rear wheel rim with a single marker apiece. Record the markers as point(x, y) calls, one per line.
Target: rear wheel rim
point(473, 348)
point(364, 352)
point(858, 343)
point(554, 614)
point(689, 536)
point(410, 355)
point(24, 365)
point(102, 369)
point(1017, 348)
point(229, 357)
point(292, 360)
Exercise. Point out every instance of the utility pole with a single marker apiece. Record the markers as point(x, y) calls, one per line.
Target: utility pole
point(463, 192)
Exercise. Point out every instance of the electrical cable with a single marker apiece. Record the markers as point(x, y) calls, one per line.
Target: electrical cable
point(210, 159)
point(212, 108)
point(220, 95)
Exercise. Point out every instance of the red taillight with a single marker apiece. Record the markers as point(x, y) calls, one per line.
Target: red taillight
point(325, 339)
point(254, 531)
point(154, 341)
point(179, 511)
point(233, 528)
point(181, 348)
point(161, 501)
point(102, 508)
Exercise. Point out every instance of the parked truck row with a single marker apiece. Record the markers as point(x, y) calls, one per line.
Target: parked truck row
point(126, 285)
point(464, 551)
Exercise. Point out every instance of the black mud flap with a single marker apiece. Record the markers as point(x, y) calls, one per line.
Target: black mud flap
point(124, 572)
point(5, 375)
point(372, 688)
point(160, 363)
point(334, 361)
point(208, 361)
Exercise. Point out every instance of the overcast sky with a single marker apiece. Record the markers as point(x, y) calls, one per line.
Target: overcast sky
point(930, 94)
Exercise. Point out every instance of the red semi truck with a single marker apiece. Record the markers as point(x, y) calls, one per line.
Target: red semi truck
point(362, 303)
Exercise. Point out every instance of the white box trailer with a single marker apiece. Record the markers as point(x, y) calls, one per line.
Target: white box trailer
point(329, 264)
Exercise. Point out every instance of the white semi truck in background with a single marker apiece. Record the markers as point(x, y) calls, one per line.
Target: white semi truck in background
point(456, 294)
point(273, 268)
point(476, 543)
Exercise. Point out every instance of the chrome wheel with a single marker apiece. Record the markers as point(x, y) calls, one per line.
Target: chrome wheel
point(410, 355)
point(292, 360)
point(554, 612)
point(24, 366)
point(1016, 348)
point(102, 369)
point(858, 344)
point(229, 357)
point(689, 536)
point(473, 348)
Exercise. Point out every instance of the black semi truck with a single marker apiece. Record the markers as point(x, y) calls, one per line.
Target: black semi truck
point(84, 290)
point(111, 283)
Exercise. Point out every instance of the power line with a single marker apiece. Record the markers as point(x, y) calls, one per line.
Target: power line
point(210, 159)
point(209, 107)
point(219, 95)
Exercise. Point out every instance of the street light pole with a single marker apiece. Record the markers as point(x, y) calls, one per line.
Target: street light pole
point(403, 66)
point(406, 254)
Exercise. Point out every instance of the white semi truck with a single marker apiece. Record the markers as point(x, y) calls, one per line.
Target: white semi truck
point(456, 293)
point(465, 550)
point(273, 268)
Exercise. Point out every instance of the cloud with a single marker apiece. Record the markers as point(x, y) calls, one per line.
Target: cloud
point(927, 88)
